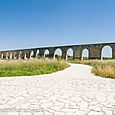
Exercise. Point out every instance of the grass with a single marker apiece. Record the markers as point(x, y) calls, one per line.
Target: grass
point(103, 68)
point(30, 67)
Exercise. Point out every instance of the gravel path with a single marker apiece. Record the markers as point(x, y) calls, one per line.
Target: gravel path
point(73, 91)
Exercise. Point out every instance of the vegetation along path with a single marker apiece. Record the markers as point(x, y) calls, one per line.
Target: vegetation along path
point(73, 91)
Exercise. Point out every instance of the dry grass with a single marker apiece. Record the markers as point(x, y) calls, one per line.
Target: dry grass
point(30, 67)
point(105, 68)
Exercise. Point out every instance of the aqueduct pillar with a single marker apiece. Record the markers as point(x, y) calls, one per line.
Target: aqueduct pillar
point(34, 53)
point(64, 54)
point(95, 52)
point(113, 52)
point(77, 53)
point(13, 55)
point(51, 53)
point(41, 53)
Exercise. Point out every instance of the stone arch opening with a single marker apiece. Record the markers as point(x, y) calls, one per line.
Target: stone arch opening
point(20, 55)
point(58, 53)
point(10, 55)
point(6, 55)
point(37, 53)
point(25, 55)
point(85, 54)
point(31, 54)
point(13, 55)
point(2, 56)
point(16, 55)
point(46, 53)
point(69, 55)
point(106, 52)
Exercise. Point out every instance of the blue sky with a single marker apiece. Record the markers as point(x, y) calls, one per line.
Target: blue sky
point(36, 23)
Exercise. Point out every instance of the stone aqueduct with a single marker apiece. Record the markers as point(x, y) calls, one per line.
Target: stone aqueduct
point(94, 51)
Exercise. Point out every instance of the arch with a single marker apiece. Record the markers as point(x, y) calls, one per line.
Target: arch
point(16, 55)
point(10, 55)
point(2, 55)
point(69, 55)
point(58, 53)
point(28, 54)
point(85, 54)
point(31, 54)
point(6, 55)
point(106, 52)
point(13, 55)
point(20, 55)
point(37, 53)
point(46, 53)
point(25, 55)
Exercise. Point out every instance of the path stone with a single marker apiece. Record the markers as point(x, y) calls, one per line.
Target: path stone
point(95, 113)
point(38, 113)
point(108, 112)
point(95, 108)
point(14, 113)
point(73, 91)
point(59, 113)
